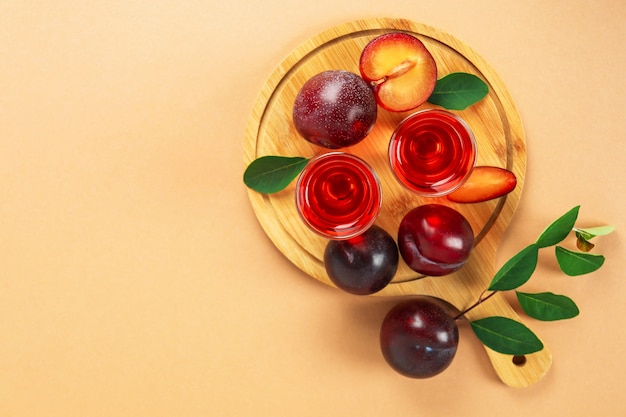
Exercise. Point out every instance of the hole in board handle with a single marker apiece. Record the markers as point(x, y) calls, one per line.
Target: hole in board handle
point(519, 360)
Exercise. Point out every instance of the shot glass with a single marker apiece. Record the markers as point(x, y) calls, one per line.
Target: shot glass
point(338, 195)
point(432, 152)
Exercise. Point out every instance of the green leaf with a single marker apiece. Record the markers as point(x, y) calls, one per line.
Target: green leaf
point(591, 232)
point(517, 270)
point(559, 229)
point(547, 306)
point(269, 174)
point(458, 90)
point(577, 263)
point(506, 336)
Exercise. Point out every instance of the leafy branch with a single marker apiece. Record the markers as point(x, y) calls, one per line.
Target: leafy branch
point(508, 336)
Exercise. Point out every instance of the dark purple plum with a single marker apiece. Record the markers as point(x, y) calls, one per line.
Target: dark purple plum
point(418, 337)
point(435, 240)
point(364, 264)
point(335, 109)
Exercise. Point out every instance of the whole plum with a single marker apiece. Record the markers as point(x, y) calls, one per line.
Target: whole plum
point(364, 264)
point(335, 109)
point(435, 239)
point(419, 337)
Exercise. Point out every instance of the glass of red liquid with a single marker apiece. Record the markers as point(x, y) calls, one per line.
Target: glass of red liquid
point(338, 195)
point(432, 152)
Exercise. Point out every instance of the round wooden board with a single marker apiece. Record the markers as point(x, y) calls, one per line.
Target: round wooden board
point(500, 142)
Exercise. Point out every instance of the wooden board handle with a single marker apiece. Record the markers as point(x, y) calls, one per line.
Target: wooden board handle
point(514, 371)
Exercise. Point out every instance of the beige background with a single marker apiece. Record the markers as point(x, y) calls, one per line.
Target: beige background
point(135, 279)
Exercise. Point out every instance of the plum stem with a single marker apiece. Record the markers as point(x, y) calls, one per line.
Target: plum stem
point(478, 302)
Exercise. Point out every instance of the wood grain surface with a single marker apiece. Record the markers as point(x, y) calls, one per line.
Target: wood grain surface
point(500, 142)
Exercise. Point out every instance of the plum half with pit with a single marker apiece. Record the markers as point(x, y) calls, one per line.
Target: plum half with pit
point(335, 109)
point(364, 264)
point(401, 68)
point(435, 240)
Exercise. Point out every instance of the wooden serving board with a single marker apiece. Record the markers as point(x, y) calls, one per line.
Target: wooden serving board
point(500, 142)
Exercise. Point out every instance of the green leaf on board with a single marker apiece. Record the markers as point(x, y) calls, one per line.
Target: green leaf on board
point(547, 306)
point(559, 229)
point(517, 270)
point(458, 90)
point(269, 174)
point(577, 263)
point(506, 336)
